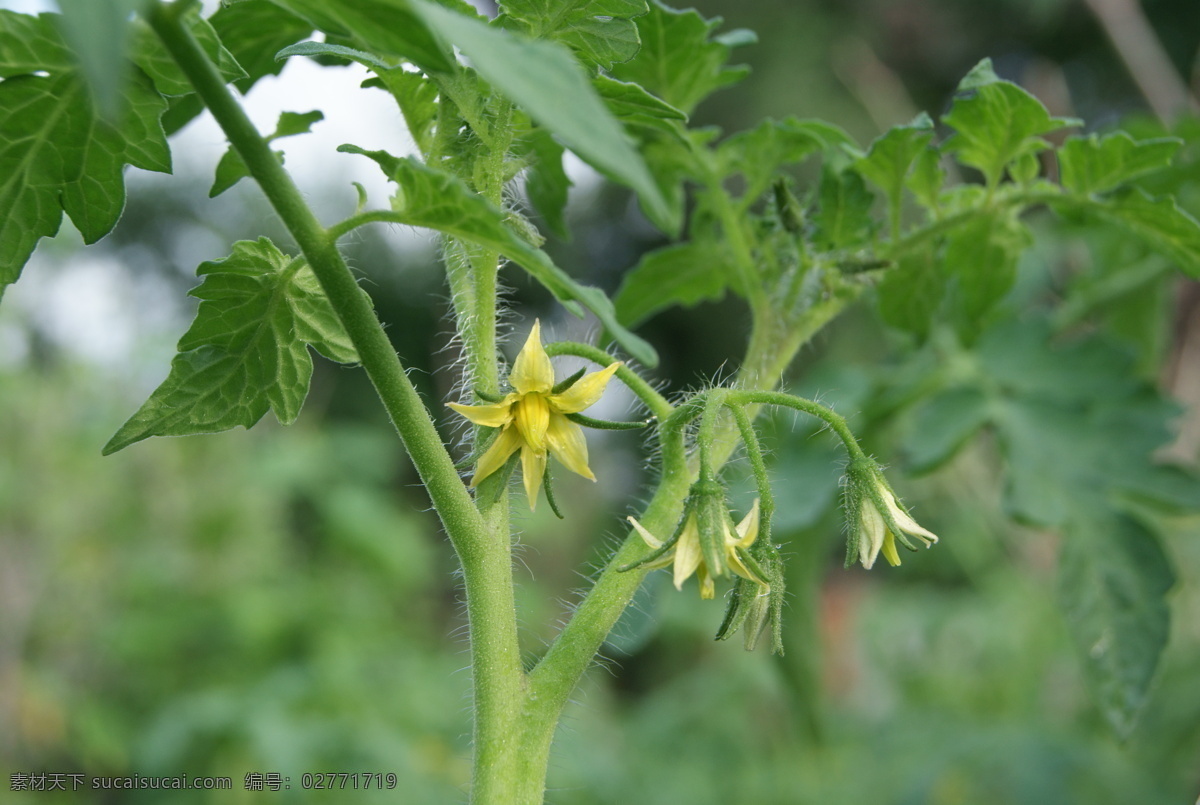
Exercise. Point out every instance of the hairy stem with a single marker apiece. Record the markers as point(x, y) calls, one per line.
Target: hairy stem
point(482, 550)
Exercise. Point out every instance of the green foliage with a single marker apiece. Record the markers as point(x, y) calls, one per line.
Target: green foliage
point(683, 274)
point(1078, 434)
point(247, 350)
point(391, 28)
point(430, 198)
point(1113, 583)
point(57, 153)
point(549, 85)
point(600, 32)
point(615, 82)
point(1094, 164)
point(680, 60)
point(231, 169)
point(996, 123)
point(251, 31)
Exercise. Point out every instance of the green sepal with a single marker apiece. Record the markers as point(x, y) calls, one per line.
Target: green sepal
point(712, 520)
point(548, 485)
point(496, 484)
point(663, 549)
point(604, 424)
point(482, 442)
point(566, 383)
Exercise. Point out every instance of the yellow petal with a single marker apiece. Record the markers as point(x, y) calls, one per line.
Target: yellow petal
point(533, 468)
point(532, 370)
point(568, 445)
point(493, 459)
point(748, 529)
point(532, 417)
point(687, 553)
point(585, 393)
point(495, 415)
point(889, 550)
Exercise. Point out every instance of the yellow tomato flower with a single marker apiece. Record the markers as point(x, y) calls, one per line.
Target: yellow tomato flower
point(877, 530)
point(533, 419)
point(688, 557)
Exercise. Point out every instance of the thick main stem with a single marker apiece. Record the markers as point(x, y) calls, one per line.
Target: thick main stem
point(482, 549)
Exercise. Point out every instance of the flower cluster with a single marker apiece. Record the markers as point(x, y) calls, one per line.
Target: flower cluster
point(877, 519)
point(687, 553)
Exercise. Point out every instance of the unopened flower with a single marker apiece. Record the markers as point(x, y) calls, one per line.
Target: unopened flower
point(687, 555)
point(533, 418)
point(880, 520)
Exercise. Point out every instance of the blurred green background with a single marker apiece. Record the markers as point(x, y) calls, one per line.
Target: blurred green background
point(283, 601)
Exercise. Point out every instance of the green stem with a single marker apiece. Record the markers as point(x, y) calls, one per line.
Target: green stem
point(555, 676)
point(484, 554)
point(657, 403)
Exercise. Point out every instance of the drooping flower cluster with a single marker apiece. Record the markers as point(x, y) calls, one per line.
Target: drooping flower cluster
point(877, 519)
point(688, 556)
point(532, 418)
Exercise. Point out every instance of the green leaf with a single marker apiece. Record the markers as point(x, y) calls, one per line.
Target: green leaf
point(149, 53)
point(437, 200)
point(417, 97)
point(1076, 428)
point(758, 153)
point(317, 49)
point(996, 123)
point(546, 182)
point(415, 94)
point(231, 169)
point(940, 425)
point(633, 106)
point(382, 26)
point(1094, 164)
point(29, 44)
point(98, 33)
point(601, 32)
point(842, 219)
point(981, 256)
point(926, 178)
point(680, 61)
point(292, 123)
point(681, 274)
point(1113, 580)
point(892, 154)
point(911, 293)
point(57, 154)
point(253, 31)
point(1157, 221)
point(552, 88)
point(247, 349)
